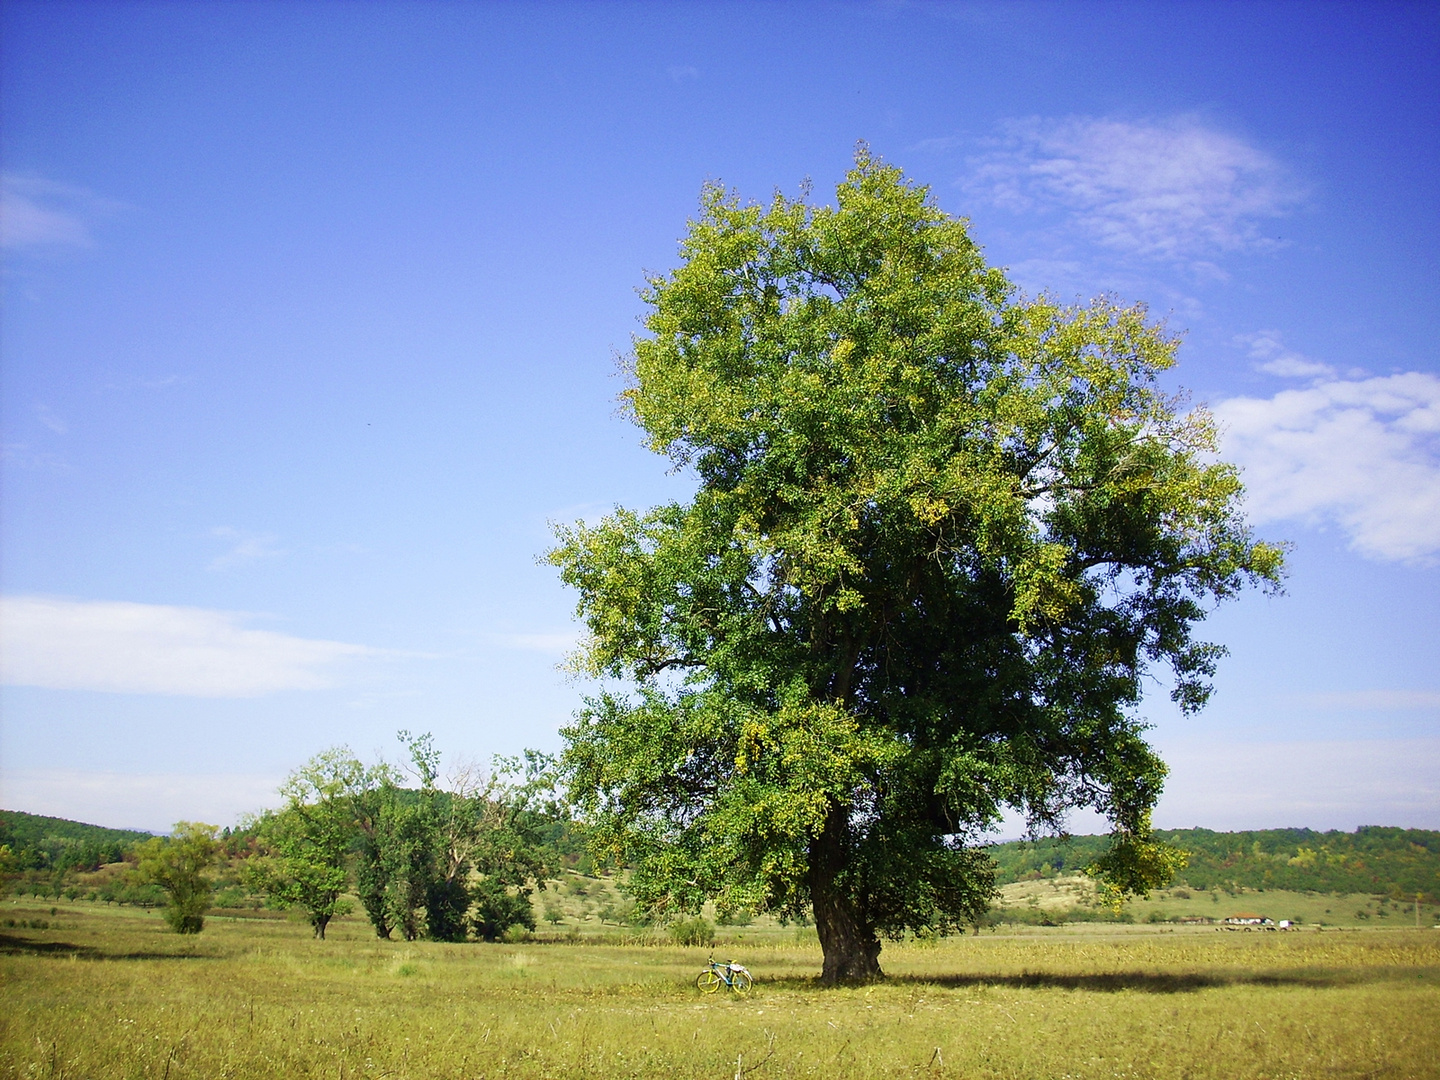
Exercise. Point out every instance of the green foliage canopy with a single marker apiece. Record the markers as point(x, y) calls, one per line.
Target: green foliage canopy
point(444, 862)
point(305, 847)
point(941, 533)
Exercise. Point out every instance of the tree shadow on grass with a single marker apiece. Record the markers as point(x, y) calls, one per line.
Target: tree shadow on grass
point(10, 945)
point(1148, 982)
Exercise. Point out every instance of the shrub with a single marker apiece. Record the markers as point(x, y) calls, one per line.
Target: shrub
point(233, 897)
point(446, 905)
point(696, 931)
point(497, 910)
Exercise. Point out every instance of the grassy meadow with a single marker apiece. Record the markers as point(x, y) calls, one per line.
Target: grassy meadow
point(94, 990)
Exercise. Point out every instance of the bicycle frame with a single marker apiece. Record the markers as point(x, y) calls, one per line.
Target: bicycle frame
point(731, 975)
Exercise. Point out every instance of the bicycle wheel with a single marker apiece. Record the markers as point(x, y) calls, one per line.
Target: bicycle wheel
point(709, 982)
point(741, 982)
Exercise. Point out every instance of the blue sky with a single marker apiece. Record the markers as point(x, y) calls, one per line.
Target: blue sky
point(311, 312)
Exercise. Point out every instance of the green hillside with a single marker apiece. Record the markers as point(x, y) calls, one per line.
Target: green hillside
point(1375, 859)
point(58, 845)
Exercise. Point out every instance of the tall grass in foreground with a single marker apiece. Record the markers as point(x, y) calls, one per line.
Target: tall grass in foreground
point(107, 993)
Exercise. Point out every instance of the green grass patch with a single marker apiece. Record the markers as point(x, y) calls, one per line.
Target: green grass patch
point(107, 992)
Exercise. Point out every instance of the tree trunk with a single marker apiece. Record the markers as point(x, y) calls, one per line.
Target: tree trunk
point(847, 940)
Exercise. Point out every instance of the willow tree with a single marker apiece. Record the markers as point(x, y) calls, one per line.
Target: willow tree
point(940, 536)
point(181, 864)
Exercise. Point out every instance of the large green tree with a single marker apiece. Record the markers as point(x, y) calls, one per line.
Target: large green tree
point(305, 846)
point(941, 534)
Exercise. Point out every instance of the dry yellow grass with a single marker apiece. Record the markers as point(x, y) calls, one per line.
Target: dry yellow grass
point(109, 993)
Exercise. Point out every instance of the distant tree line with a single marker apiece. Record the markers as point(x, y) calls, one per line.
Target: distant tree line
point(1374, 859)
point(460, 858)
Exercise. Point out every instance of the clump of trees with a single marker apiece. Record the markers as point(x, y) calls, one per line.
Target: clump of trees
point(439, 860)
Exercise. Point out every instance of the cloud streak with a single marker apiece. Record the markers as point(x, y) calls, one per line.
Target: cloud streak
point(127, 648)
point(1373, 700)
point(48, 418)
point(36, 213)
point(1172, 190)
point(1317, 784)
point(245, 548)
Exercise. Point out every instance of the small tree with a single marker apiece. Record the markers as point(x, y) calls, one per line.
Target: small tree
point(498, 907)
point(373, 812)
point(178, 864)
point(554, 914)
point(394, 846)
point(405, 861)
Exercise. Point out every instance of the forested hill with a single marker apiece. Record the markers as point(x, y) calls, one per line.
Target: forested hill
point(47, 843)
point(1373, 859)
point(1376, 860)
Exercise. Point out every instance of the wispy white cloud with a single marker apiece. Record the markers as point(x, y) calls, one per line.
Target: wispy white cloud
point(1175, 190)
point(1360, 452)
point(39, 213)
point(24, 456)
point(244, 548)
point(48, 418)
point(1271, 356)
point(930, 146)
point(1312, 783)
point(130, 648)
point(163, 382)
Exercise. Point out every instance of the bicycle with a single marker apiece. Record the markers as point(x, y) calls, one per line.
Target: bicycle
point(731, 974)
